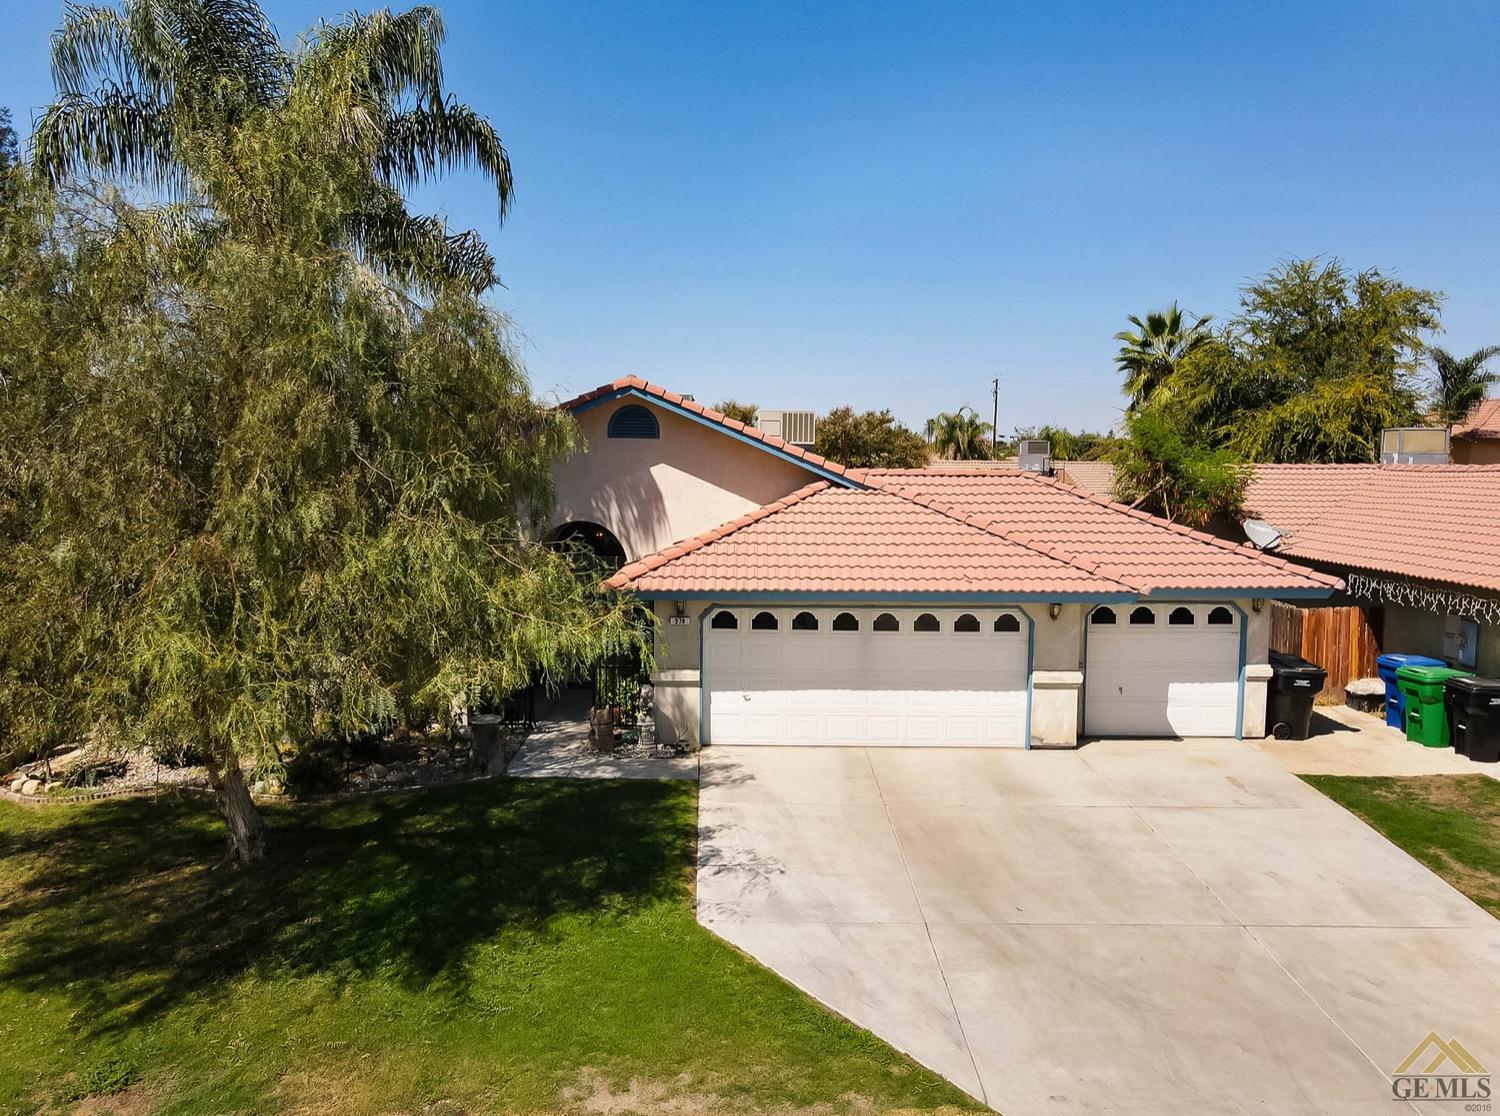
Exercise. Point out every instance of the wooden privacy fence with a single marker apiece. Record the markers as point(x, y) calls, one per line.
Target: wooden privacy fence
point(1341, 640)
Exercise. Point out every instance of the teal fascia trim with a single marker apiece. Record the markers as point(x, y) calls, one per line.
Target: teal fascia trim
point(826, 474)
point(1030, 669)
point(1239, 711)
point(772, 596)
point(1159, 594)
point(702, 690)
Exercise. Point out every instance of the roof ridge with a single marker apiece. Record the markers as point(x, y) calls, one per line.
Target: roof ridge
point(632, 570)
point(636, 383)
point(1456, 467)
point(1244, 549)
point(986, 523)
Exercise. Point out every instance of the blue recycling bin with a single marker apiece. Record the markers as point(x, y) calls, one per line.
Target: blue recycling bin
point(1395, 701)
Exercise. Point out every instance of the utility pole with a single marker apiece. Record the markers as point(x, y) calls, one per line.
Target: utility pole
point(995, 418)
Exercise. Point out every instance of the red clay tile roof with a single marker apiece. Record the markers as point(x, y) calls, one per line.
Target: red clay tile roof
point(955, 531)
point(823, 539)
point(1144, 551)
point(635, 383)
point(1430, 522)
point(1481, 422)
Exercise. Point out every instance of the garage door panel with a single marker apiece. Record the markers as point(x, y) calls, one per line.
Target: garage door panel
point(800, 686)
point(1162, 679)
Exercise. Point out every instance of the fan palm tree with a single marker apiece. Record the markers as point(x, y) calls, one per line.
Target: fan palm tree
point(1151, 352)
point(960, 435)
point(169, 94)
point(1461, 381)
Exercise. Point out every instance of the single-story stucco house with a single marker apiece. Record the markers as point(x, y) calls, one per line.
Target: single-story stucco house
point(1418, 547)
point(803, 602)
point(1476, 440)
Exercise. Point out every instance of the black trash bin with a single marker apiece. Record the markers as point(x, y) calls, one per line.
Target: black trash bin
point(1289, 702)
point(1473, 706)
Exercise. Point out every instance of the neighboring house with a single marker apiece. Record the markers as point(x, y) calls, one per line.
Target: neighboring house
point(1476, 440)
point(801, 602)
point(1091, 476)
point(1418, 545)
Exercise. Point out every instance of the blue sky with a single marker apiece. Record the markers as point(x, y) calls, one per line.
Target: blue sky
point(804, 205)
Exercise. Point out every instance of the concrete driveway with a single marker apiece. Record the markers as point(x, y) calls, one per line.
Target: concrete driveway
point(1153, 926)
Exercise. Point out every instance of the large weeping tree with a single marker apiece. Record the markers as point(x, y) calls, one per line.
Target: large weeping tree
point(269, 468)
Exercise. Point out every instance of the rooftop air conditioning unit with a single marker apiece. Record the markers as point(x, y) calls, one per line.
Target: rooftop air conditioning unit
point(800, 428)
point(1035, 455)
point(1414, 445)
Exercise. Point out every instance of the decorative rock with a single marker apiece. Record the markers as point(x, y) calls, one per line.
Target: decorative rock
point(31, 786)
point(375, 772)
point(394, 777)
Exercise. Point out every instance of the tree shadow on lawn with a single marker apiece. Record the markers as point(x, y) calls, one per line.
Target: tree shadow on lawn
point(127, 905)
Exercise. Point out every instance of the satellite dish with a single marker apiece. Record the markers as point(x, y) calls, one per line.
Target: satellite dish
point(1262, 535)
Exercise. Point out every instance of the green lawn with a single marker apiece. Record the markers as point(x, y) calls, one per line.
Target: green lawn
point(1451, 823)
point(517, 946)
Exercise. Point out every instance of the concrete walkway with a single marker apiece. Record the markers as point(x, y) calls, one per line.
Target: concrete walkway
point(1345, 742)
point(559, 748)
point(1143, 927)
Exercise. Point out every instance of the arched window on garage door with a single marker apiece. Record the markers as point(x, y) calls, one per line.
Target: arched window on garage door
point(846, 622)
point(1221, 615)
point(1100, 616)
point(1007, 622)
point(1142, 615)
point(885, 622)
point(968, 622)
point(1181, 616)
point(765, 622)
point(804, 622)
point(723, 620)
point(927, 622)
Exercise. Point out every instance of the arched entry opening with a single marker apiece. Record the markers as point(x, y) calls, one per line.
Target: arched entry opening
point(590, 540)
point(612, 692)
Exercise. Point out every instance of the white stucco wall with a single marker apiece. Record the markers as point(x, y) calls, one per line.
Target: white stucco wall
point(676, 679)
point(652, 492)
point(1057, 676)
point(1257, 670)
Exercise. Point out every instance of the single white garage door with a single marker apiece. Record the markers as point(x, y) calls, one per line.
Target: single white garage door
point(1162, 670)
point(866, 676)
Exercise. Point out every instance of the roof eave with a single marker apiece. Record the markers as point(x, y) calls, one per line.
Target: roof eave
point(593, 400)
point(805, 596)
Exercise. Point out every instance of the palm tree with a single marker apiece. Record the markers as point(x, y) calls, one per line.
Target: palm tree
point(960, 435)
point(1152, 351)
point(169, 93)
point(1461, 381)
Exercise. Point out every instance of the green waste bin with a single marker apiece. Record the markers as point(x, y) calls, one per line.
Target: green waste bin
point(1426, 716)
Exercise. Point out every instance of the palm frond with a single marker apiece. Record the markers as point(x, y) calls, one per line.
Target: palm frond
point(233, 42)
point(419, 251)
point(430, 139)
point(93, 42)
point(375, 59)
point(114, 130)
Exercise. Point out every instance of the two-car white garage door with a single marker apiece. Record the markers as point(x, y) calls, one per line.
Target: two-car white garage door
point(866, 676)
